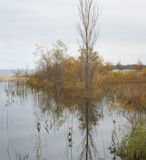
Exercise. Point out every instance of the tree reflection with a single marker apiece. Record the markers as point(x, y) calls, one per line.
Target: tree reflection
point(89, 117)
point(53, 108)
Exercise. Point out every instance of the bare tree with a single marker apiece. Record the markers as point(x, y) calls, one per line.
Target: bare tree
point(139, 66)
point(87, 28)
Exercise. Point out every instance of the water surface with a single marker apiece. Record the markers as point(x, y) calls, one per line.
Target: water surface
point(38, 125)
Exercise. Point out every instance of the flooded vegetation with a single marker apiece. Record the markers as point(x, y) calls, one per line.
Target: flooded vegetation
point(35, 124)
point(74, 107)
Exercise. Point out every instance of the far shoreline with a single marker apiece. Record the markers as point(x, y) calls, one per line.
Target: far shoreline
point(13, 79)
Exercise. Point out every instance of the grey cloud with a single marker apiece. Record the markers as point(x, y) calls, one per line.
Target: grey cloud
point(25, 23)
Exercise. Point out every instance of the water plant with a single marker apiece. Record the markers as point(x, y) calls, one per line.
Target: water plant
point(133, 146)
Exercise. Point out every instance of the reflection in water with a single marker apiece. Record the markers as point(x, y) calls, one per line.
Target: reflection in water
point(131, 104)
point(38, 138)
point(58, 109)
point(69, 140)
point(89, 117)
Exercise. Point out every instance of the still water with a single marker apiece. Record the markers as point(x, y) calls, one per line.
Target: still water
point(38, 126)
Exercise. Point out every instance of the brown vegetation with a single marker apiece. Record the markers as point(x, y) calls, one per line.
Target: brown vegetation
point(13, 79)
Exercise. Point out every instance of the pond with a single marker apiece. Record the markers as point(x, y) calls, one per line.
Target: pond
point(37, 125)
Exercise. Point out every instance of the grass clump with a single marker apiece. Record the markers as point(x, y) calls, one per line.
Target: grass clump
point(133, 146)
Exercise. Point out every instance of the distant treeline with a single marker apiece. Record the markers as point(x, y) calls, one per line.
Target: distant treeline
point(126, 67)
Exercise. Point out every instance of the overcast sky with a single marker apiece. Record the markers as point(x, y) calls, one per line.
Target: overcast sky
point(25, 23)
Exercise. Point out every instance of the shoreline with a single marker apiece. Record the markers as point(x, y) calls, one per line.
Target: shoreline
point(13, 79)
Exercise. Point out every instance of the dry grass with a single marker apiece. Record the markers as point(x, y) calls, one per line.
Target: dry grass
point(13, 79)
